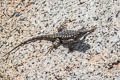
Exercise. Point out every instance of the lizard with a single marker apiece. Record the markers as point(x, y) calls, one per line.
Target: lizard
point(69, 37)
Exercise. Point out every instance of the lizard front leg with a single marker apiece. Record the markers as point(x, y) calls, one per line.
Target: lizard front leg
point(70, 43)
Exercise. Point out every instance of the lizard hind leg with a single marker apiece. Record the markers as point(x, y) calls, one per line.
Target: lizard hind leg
point(55, 45)
point(63, 25)
point(61, 28)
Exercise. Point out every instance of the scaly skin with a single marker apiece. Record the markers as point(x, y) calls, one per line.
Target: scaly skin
point(61, 37)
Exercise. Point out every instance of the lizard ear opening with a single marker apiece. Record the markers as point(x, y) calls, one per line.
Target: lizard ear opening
point(81, 30)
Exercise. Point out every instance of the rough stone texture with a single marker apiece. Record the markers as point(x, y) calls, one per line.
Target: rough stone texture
point(98, 58)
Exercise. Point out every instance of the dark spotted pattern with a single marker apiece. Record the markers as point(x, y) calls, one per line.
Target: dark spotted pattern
point(61, 36)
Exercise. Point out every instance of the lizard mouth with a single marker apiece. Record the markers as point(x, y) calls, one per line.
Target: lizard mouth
point(92, 30)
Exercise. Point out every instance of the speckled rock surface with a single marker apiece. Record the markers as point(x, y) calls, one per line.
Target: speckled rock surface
point(98, 58)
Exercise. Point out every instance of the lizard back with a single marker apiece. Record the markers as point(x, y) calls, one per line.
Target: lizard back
point(66, 34)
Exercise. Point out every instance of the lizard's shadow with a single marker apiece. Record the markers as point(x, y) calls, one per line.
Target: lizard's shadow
point(80, 45)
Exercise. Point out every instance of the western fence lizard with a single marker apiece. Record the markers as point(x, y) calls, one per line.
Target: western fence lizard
point(62, 37)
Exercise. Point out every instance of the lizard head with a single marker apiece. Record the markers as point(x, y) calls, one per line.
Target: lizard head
point(81, 32)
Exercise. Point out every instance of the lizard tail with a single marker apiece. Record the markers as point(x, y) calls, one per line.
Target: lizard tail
point(23, 43)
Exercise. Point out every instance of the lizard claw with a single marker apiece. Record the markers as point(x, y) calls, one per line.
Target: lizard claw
point(50, 49)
